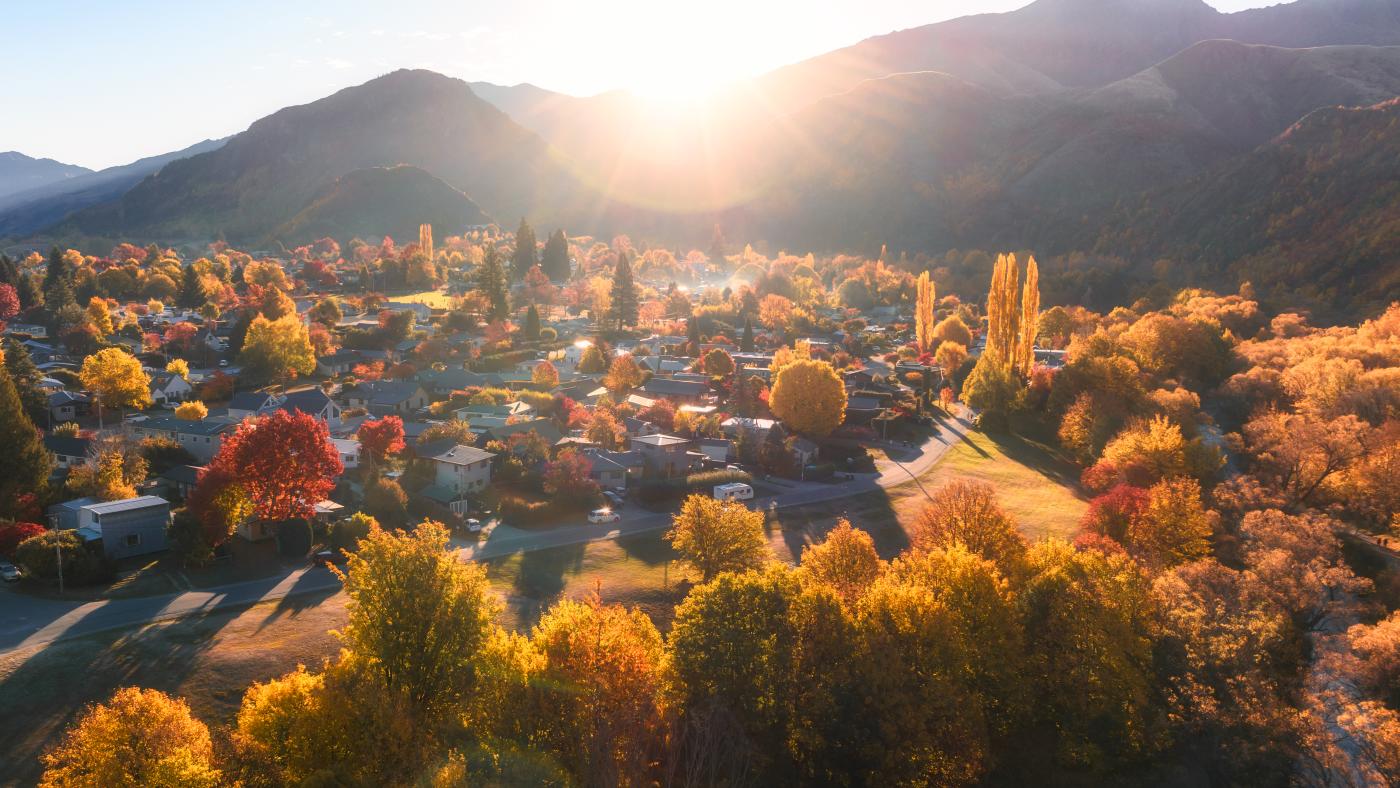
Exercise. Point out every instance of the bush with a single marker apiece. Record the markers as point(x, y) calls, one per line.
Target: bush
point(12, 534)
point(36, 555)
point(347, 533)
point(708, 479)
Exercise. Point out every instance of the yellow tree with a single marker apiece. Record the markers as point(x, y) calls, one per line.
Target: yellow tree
point(846, 562)
point(923, 313)
point(179, 366)
point(718, 536)
point(100, 316)
point(1003, 316)
point(425, 239)
point(1030, 318)
point(194, 410)
point(116, 379)
point(139, 737)
point(278, 349)
point(809, 397)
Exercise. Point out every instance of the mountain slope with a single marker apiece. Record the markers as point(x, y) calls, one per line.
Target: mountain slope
point(19, 172)
point(379, 201)
point(270, 172)
point(32, 209)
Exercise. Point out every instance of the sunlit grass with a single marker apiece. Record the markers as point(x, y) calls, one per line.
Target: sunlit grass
point(433, 299)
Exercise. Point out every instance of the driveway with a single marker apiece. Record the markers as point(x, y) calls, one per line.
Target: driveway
point(27, 621)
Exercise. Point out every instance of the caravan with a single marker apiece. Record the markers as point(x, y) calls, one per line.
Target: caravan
point(734, 491)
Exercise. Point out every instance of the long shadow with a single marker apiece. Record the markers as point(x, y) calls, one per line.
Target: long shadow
point(650, 547)
point(541, 577)
point(299, 597)
point(1036, 457)
point(873, 512)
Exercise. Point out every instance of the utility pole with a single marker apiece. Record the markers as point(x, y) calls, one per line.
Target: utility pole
point(57, 551)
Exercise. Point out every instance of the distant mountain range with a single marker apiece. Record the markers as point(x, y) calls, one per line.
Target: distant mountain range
point(1068, 125)
point(19, 172)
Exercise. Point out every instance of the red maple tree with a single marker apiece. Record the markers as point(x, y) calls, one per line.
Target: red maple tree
point(285, 461)
point(382, 437)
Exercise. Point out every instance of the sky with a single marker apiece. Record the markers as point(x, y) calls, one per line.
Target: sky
point(103, 83)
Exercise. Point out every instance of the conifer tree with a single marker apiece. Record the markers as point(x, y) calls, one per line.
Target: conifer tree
point(1030, 318)
point(555, 260)
point(532, 324)
point(26, 378)
point(24, 463)
point(524, 258)
point(692, 332)
point(746, 343)
point(624, 293)
point(491, 281)
point(58, 283)
point(192, 295)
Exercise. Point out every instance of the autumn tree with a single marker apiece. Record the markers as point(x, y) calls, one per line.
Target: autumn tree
point(544, 375)
point(950, 356)
point(923, 313)
point(138, 737)
point(952, 329)
point(24, 462)
point(1172, 527)
point(1003, 313)
point(277, 350)
point(220, 503)
point(1029, 319)
point(809, 397)
point(604, 430)
point(592, 361)
point(623, 376)
point(991, 388)
point(99, 316)
point(1300, 454)
point(845, 561)
point(179, 366)
point(623, 295)
point(418, 616)
point(568, 477)
point(717, 363)
point(194, 410)
point(381, 438)
point(967, 513)
point(718, 536)
point(285, 461)
point(116, 379)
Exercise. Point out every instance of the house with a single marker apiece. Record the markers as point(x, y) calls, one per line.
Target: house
point(67, 406)
point(169, 387)
point(68, 451)
point(458, 469)
point(64, 516)
point(679, 391)
point(349, 451)
point(251, 403)
point(665, 455)
point(804, 452)
point(312, 401)
point(338, 363)
point(637, 427)
point(445, 381)
point(202, 438)
point(180, 480)
point(387, 397)
point(716, 450)
point(614, 469)
point(734, 425)
point(134, 526)
point(31, 329)
point(510, 410)
point(545, 428)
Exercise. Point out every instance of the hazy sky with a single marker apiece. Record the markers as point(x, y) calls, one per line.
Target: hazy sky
point(104, 83)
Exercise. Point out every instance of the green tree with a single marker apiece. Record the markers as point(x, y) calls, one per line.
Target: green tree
point(418, 616)
point(491, 281)
point(746, 342)
point(555, 260)
point(192, 294)
point(718, 536)
point(532, 324)
point(26, 378)
point(991, 387)
point(526, 255)
point(58, 282)
point(24, 463)
point(624, 296)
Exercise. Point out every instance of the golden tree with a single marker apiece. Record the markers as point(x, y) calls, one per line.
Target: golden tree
point(1003, 315)
point(139, 737)
point(809, 397)
point(116, 377)
point(923, 313)
point(718, 536)
point(1030, 318)
point(425, 239)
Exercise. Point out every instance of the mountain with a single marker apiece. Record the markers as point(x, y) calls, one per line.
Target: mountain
point(271, 171)
point(19, 172)
point(378, 201)
point(29, 210)
point(1316, 211)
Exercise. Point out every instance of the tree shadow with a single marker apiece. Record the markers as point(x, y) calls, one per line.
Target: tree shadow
point(649, 547)
point(540, 578)
point(308, 591)
point(1038, 457)
point(873, 512)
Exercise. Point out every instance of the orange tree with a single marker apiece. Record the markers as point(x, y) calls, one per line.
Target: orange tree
point(285, 462)
point(809, 397)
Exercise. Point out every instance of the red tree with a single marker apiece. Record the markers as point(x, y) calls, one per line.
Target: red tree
point(568, 477)
point(382, 437)
point(179, 338)
point(1111, 513)
point(9, 302)
point(285, 461)
point(11, 534)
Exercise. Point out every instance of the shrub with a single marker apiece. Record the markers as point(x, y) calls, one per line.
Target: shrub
point(12, 534)
point(36, 554)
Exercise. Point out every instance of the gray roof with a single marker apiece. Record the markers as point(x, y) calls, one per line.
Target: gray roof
point(660, 440)
point(452, 452)
point(250, 400)
point(385, 392)
point(211, 425)
point(127, 505)
point(679, 387)
point(67, 445)
point(183, 474)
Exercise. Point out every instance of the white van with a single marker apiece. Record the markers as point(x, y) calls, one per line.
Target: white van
point(734, 491)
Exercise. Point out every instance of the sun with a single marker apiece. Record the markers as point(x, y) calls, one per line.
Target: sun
point(682, 80)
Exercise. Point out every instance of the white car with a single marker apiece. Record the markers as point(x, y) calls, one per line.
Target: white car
point(473, 525)
point(8, 572)
point(603, 516)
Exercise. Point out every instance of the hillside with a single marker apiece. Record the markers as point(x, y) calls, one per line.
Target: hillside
point(379, 201)
point(32, 209)
point(19, 172)
point(1315, 212)
point(272, 171)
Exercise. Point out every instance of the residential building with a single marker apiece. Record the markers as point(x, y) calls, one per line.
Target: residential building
point(201, 438)
point(387, 397)
point(666, 455)
point(168, 387)
point(134, 526)
point(68, 451)
point(678, 391)
point(458, 470)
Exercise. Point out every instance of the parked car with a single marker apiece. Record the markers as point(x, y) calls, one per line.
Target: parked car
point(613, 499)
point(9, 572)
point(473, 525)
point(329, 557)
point(603, 516)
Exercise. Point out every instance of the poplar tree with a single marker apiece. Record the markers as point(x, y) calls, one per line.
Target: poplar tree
point(1003, 312)
point(923, 313)
point(1030, 318)
point(555, 260)
point(524, 258)
point(746, 343)
point(425, 240)
point(491, 281)
point(624, 293)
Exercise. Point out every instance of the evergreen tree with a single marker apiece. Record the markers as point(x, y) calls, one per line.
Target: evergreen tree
point(29, 295)
point(491, 281)
point(746, 343)
point(26, 378)
point(692, 332)
point(624, 293)
point(9, 271)
point(25, 463)
point(524, 258)
point(555, 260)
point(58, 283)
point(192, 294)
point(532, 324)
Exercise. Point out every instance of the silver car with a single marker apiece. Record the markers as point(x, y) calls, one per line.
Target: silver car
point(9, 572)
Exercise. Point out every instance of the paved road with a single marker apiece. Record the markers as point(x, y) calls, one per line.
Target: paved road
point(27, 621)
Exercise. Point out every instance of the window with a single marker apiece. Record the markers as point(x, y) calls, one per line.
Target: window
point(132, 540)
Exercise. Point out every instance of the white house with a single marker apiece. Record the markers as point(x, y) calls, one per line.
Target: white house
point(349, 451)
point(458, 471)
point(167, 387)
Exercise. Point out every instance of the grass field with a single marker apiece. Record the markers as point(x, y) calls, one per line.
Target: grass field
point(211, 660)
point(434, 299)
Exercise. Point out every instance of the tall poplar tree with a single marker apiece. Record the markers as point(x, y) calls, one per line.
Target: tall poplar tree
point(1003, 312)
point(491, 281)
point(555, 260)
point(1030, 318)
point(624, 293)
point(524, 258)
point(923, 313)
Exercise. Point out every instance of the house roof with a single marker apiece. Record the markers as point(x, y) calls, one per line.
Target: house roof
point(385, 392)
point(312, 401)
point(665, 386)
point(453, 453)
point(251, 400)
point(660, 440)
point(127, 505)
point(67, 445)
point(545, 428)
point(182, 474)
point(211, 425)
